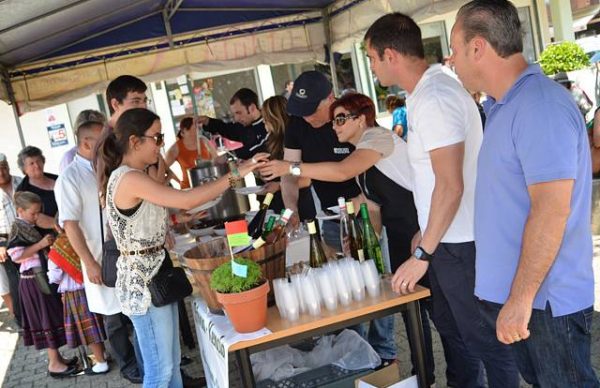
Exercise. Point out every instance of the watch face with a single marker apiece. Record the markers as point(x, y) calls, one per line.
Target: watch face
point(296, 170)
point(418, 253)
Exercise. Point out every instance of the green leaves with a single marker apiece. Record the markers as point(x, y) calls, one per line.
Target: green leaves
point(224, 281)
point(565, 56)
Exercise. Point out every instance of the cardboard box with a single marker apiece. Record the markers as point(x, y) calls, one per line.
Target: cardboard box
point(388, 377)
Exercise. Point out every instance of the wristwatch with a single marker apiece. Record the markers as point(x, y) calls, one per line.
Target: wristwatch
point(420, 254)
point(295, 169)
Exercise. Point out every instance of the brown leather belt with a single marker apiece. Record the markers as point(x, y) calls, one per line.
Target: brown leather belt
point(143, 252)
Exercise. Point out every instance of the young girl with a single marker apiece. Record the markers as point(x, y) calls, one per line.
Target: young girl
point(136, 207)
point(41, 311)
point(82, 327)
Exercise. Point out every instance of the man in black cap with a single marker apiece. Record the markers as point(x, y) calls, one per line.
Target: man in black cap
point(310, 138)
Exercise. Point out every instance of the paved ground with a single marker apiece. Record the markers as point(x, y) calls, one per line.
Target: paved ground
point(22, 367)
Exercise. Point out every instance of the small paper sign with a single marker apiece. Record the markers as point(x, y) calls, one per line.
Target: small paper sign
point(240, 270)
point(237, 233)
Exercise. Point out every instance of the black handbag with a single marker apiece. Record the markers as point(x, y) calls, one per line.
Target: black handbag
point(110, 255)
point(169, 285)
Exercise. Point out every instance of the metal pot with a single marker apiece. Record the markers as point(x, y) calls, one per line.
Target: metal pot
point(232, 205)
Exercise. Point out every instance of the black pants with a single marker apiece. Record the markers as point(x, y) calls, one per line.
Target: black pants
point(457, 317)
point(117, 330)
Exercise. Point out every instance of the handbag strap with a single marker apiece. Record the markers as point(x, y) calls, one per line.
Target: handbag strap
point(101, 225)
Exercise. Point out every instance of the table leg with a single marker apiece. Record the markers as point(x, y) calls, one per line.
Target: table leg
point(415, 331)
point(243, 359)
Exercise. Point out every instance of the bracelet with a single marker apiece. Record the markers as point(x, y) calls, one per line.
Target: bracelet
point(174, 219)
point(233, 180)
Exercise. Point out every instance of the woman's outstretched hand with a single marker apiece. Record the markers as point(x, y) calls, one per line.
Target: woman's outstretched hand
point(274, 169)
point(250, 165)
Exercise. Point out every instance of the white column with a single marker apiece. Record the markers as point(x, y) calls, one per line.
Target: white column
point(562, 20)
point(265, 82)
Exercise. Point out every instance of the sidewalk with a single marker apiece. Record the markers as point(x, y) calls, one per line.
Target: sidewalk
point(22, 367)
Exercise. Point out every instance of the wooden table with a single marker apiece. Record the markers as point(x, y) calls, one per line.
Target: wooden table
point(285, 332)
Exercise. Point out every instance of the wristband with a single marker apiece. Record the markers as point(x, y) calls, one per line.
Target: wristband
point(174, 219)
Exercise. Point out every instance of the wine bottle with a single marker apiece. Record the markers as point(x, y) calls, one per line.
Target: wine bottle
point(317, 253)
point(345, 236)
point(269, 226)
point(255, 245)
point(255, 228)
point(372, 249)
point(356, 240)
point(279, 228)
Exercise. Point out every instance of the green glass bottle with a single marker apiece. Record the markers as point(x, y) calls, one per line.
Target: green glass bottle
point(317, 253)
point(269, 226)
point(372, 249)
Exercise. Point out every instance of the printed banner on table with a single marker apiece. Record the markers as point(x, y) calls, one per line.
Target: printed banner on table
point(215, 336)
point(58, 135)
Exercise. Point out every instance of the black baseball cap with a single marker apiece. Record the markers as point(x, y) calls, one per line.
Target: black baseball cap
point(310, 88)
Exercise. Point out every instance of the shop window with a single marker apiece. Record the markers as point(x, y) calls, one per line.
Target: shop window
point(198, 94)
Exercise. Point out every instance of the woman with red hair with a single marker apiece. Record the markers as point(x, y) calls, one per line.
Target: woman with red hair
point(380, 162)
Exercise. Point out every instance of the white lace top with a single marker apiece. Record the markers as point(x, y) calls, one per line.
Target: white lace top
point(145, 229)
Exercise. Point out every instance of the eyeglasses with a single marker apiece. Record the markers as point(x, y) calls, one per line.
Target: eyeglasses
point(159, 139)
point(341, 118)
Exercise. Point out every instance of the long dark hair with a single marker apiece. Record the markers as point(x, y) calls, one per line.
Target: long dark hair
point(133, 122)
point(274, 112)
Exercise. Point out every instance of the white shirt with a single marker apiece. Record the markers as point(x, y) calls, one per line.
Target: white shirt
point(441, 113)
point(76, 193)
point(394, 162)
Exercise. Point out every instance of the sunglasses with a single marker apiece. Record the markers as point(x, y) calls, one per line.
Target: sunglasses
point(341, 118)
point(159, 139)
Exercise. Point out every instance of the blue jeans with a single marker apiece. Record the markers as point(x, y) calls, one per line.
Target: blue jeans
point(557, 353)
point(456, 315)
point(158, 335)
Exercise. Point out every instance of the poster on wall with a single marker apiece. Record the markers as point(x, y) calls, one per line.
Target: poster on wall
point(58, 135)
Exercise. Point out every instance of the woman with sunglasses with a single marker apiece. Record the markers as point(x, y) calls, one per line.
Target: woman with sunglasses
point(137, 214)
point(380, 162)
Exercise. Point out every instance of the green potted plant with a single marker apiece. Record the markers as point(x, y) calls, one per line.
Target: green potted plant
point(563, 57)
point(243, 298)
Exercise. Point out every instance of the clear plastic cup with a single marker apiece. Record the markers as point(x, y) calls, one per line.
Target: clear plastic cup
point(290, 302)
point(311, 294)
point(296, 282)
point(327, 288)
point(371, 278)
point(343, 291)
point(277, 284)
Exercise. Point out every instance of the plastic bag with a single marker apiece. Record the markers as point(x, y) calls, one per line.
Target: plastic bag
point(347, 350)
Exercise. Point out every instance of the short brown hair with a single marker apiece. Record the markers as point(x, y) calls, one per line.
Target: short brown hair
point(396, 31)
point(357, 104)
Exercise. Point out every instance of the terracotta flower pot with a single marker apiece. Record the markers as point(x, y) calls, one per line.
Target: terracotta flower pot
point(246, 310)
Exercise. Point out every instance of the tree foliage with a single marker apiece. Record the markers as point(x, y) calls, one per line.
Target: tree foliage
point(565, 56)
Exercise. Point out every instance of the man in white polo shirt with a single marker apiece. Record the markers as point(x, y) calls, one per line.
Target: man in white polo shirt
point(444, 137)
point(79, 214)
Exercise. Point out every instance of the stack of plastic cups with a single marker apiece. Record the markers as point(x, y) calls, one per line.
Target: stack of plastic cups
point(343, 291)
point(277, 284)
point(312, 299)
point(296, 282)
point(290, 302)
point(371, 278)
point(353, 273)
point(327, 288)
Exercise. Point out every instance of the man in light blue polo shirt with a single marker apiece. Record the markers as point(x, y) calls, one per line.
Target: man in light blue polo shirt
point(534, 273)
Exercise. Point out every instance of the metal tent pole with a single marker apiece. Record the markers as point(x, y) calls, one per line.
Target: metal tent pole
point(327, 26)
point(12, 102)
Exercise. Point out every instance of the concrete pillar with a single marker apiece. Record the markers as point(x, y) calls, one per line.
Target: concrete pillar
point(562, 20)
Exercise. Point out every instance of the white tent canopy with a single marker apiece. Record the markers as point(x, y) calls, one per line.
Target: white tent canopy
point(75, 70)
